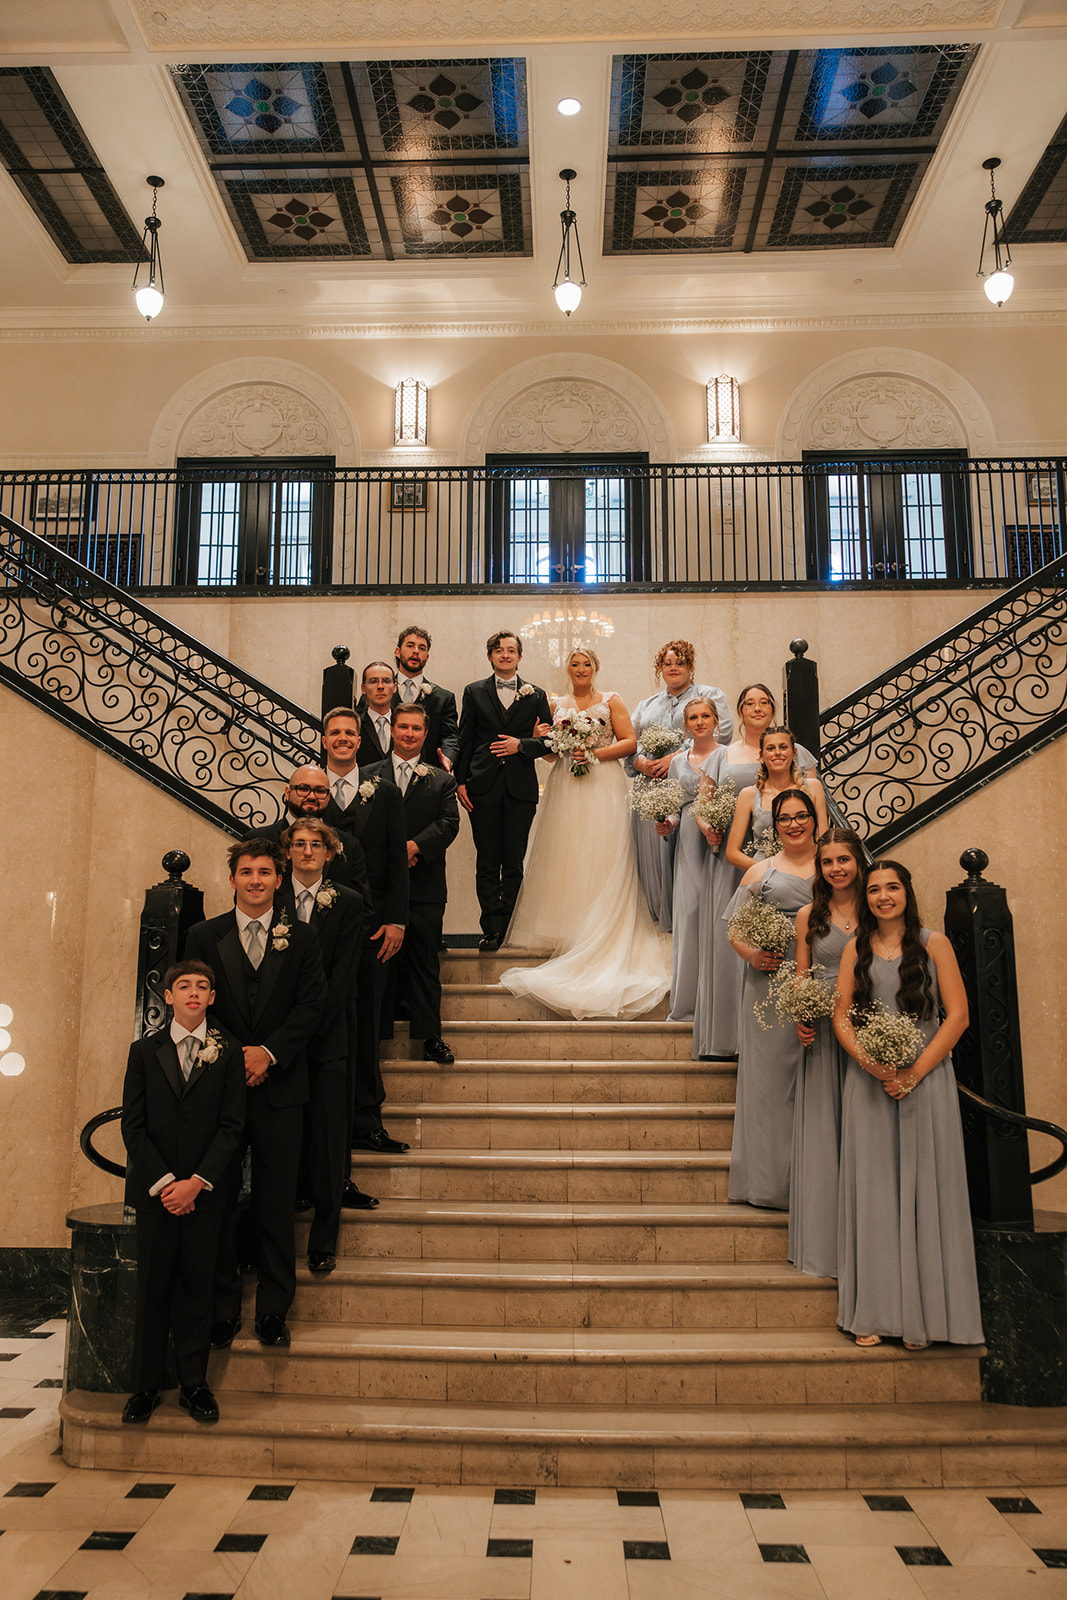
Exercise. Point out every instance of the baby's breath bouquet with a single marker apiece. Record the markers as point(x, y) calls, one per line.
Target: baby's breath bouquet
point(765, 844)
point(892, 1038)
point(717, 808)
point(804, 997)
point(758, 923)
point(656, 799)
point(656, 741)
point(574, 734)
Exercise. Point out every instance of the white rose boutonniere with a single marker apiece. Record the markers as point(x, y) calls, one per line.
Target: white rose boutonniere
point(526, 689)
point(426, 691)
point(279, 934)
point(326, 896)
point(366, 790)
point(211, 1048)
point(422, 770)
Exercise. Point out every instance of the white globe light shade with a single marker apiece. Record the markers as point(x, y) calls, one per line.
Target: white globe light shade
point(568, 106)
point(149, 301)
point(998, 287)
point(568, 296)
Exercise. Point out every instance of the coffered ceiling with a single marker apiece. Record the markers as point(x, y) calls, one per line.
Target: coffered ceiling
point(333, 166)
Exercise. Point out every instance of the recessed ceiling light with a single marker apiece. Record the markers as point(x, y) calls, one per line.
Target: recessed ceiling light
point(569, 107)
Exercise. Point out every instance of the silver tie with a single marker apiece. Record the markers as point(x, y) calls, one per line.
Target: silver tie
point(254, 942)
point(383, 734)
point(340, 793)
point(190, 1051)
point(405, 776)
point(303, 905)
point(409, 690)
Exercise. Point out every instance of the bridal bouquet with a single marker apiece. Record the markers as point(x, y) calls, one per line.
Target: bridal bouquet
point(892, 1038)
point(803, 997)
point(656, 799)
point(717, 809)
point(765, 844)
point(760, 924)
point(656, 741)
point(574, 734)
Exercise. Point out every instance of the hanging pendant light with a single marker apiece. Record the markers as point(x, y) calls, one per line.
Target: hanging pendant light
point(999, 282)
point(566, 287)
point(150, 295)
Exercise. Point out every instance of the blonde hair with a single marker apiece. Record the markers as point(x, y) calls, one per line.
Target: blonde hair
point(699, 700)
point(583, 650)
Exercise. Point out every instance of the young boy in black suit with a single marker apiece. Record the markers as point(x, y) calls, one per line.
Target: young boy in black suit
point(183, 1113)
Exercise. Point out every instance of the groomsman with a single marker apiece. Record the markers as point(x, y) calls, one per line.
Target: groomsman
point(270, 990)
point(372, 811)
point(431, 815)
point(307, 794)
point(376, 712)
point(497, 778)
point(413, 687)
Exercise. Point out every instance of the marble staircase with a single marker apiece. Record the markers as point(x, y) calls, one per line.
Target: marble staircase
point(555, 1290)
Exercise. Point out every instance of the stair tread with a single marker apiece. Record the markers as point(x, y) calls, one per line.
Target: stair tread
point(573, 1275)
point(564, 1025)
point(368, 1160)
point(523, 1213)
point(684, 1064)
point(666, 1109)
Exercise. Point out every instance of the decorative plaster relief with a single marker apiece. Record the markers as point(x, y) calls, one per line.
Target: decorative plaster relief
point(567, 402)
point(252, 407)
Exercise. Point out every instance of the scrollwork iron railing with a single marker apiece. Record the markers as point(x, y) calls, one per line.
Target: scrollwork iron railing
point(952, 716)
point(161, 702)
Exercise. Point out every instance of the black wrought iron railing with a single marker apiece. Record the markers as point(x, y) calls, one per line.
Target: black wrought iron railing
point(950, 717)
point(158, 700)
point(304, 528)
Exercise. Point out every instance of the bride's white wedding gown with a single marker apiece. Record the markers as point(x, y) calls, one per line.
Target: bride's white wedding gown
point(581, 900)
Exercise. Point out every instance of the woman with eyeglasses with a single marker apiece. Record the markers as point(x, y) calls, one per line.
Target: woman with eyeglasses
point(768, 1057)
point(905, 1242)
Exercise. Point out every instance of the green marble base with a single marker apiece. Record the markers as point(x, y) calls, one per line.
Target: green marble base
point(1022, 1279)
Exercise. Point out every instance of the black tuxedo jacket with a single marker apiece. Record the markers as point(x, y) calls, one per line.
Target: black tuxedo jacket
point(279, 1007)
point(340, 928)
point(351, 872)
point(442, 731)
point(378, 825)
point(431, 818)
point(169, 1125)
point(370, 746)
point(483, 719)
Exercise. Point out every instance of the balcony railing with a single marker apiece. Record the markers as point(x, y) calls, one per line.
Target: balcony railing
point(254, 527)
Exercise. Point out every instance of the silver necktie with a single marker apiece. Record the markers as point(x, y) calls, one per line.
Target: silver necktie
point(409, 690)
point(303, 905)
point(254, 942)
point(405, 777)
point(383, 734)
point(190, 1051)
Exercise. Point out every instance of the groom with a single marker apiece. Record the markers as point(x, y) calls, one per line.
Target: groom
point(497, 778)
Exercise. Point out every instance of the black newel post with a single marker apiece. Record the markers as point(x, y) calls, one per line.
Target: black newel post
point(338, 681)
point(170, 909)
point(801, 697)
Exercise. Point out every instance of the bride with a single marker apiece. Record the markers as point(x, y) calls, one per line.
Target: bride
point(581, 901)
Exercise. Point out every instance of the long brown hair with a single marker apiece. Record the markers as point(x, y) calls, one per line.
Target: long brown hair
point(915, 993)
point(796, 777)
point(819, 915)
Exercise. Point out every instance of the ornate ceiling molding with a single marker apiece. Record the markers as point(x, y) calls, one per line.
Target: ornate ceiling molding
point(568, 402)
point(252, 407)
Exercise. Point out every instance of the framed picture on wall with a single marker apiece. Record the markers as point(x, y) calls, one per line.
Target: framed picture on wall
point(70, 502)
point(1040, 488)
point(407, 494)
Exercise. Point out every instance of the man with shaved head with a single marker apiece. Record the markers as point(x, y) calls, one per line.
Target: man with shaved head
point(307, 794)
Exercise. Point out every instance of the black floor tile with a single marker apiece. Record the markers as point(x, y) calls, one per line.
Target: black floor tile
point(105, 1539)
point(16, 1411)
point(28, 1491)
point(10, 1355)
point(645, 1550)
point(637, 1497)
point(1013, 1505)
point(795, 1554)
point(149, 1491)
point(515, 1497)
point(386, 1495)
point(21, 1316)
point(49, 1383)
point(272, 1491)
point(1053, 1558)
point(887, 1502)
point(374, 1544)
point(196, 1594)
point(509, 1547)
point(61, 1594)
point(762, 1502)
point(240, 1543)
point(922, 1555)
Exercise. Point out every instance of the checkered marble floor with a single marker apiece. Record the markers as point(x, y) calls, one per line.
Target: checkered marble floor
point(66, 1534)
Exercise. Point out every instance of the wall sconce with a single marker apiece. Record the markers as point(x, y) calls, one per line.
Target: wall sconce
point(724, 410)
point(999, 282)
point(409, 418)
point(150, 295)
point(566, 288)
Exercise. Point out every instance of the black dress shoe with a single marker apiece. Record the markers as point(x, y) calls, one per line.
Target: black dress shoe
point(380, 1144)
point(488, 946)
point(271, 1329)
point(224, 1331)
point(353, 1199)
point(321, 1261)
point(435, 1049)
point(303, 1203)
point(198, 1400)
point(140, 1406)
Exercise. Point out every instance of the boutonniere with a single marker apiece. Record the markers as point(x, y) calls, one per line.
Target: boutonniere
point(366, 790)
point(279, 934)
point(422, 770)
point(526, 689)
point(212, 1047)
point(426, 691)
point(326, 896)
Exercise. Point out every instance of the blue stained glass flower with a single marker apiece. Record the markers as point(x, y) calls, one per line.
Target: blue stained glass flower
point(901, 90)
point(268, 123)
point(255, 89)
point(286, 107)
point(241, 108)
point(854, 93)
point(885, 73)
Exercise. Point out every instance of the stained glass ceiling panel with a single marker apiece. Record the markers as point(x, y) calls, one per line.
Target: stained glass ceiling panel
point(1039, 216)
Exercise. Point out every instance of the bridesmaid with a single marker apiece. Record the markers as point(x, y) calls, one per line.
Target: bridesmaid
point(674, 664)
point(905, 1243)
point(779, 769)
point(689, 767)
point(823, 930)
point(768, 1058)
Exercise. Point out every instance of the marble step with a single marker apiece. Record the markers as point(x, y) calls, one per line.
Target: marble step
point(538, 1126)
point(471, 966)
point(594, 1366)
point(489, 1002)
point(443, 1230)
point(540, 1176)
point(553, 1294)
point(560, 1041)
point(954, 1445)
point(604, 1082)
